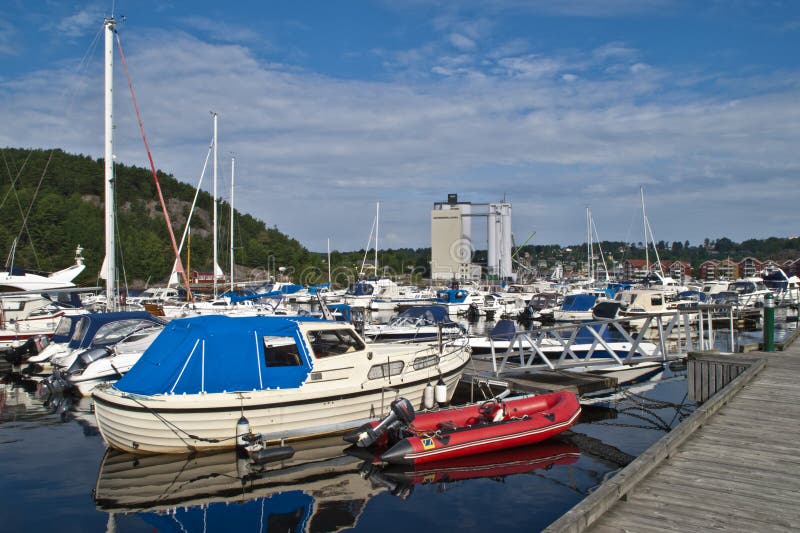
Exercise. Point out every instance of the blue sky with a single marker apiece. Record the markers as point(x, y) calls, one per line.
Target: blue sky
point(330, 107)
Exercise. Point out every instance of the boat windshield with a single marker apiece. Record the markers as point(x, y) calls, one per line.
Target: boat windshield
point(115, 331)
point(329, 342)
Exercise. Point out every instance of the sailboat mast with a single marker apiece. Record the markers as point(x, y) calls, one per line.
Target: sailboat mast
point(111, 267)
point(588, 243)
point(329, 261)
point(377, 224)
point(646, 246)
point(214, 218)
point(233, 172)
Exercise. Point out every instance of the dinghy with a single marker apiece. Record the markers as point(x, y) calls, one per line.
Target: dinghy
point(466, 430)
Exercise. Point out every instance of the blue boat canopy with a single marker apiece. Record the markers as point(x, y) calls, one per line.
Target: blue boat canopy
point(217, 353)
point(451, 296)
point(101, 329)
point(434, 314)
point(578, 302)
point(504, 330)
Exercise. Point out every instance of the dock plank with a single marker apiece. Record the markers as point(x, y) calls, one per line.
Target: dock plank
point(734, 467)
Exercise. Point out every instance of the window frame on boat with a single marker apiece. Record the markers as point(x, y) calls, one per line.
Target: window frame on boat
point(278, 351)
point(395, 368)
point(346, 341)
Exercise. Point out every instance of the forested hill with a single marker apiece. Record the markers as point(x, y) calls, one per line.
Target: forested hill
point(60, 196)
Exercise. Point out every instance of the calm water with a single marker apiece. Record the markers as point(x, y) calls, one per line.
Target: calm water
point(57, 472)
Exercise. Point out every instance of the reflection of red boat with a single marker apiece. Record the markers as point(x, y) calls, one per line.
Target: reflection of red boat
point(492, 465)
point(491, 426)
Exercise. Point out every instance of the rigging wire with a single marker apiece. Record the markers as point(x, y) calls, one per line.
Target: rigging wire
point(153, 169)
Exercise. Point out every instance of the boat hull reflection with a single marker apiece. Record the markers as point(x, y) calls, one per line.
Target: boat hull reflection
point(318, 489)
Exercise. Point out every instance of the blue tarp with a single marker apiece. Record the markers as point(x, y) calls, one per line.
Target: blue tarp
point(216, 353)
point(504, 330)
point(433, 313)
point(92, 322)
point(451, 296)
point(578, 302)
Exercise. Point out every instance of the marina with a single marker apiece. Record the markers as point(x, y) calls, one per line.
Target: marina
point(326, 484)
point(472, 383)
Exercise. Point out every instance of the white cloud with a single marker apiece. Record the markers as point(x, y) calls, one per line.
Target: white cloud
point(80, 23)
point(461, 42)
point(314, 153)
point(8, 36)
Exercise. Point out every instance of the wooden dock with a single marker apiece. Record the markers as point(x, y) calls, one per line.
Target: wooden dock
point(539, 382)
point(732, 466)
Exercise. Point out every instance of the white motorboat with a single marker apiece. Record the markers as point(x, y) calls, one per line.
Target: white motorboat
point(105, 363)
point(418, 323)
point(207, 380)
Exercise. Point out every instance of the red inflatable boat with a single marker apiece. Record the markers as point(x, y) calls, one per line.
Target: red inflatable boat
point(461, 431)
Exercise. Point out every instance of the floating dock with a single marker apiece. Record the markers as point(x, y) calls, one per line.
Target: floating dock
point(732, 466)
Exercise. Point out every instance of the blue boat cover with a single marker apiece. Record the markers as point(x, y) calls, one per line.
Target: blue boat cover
point(433, 313)
point(217, 353)
point(578, 302)
point(451, 296)
point(94, 321)
point(504, 330)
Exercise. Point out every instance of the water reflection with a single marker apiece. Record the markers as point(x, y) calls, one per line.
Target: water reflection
point(400, 480)
point(319, 489)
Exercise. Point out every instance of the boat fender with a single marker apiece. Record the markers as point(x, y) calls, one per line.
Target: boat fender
point(440, 392)
point(427, 396)
point(242, 429)
point(270, 455)
point(401, 412)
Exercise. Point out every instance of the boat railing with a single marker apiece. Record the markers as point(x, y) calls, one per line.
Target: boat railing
point(663, 337)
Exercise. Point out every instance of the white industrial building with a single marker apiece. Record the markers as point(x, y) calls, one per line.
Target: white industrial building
point(452, 244)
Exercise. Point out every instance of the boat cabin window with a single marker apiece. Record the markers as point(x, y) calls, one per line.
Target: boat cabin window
point(281, 351)
point(426, 361)
point(385, 370)
point(329, 342)
point(656, 300)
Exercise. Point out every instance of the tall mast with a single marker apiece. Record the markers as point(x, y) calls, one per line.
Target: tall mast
point(377, 224)
point(111, 267)
point(329, 261)
point(214, 222)
point(588, 243)
point(646, 246)
point(233, 169)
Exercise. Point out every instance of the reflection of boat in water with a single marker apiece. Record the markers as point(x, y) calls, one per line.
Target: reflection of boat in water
point(495, 465)
point(318, 489)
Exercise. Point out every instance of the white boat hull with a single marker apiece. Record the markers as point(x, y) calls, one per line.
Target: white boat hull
point(185, 423)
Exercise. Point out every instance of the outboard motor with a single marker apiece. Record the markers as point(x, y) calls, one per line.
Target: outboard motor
point(401, 412)
point(30, 347)
point(87, 357)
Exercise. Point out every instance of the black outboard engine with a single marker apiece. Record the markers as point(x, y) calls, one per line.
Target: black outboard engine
point(30, 347)
point(86, 357)
point(401, 412)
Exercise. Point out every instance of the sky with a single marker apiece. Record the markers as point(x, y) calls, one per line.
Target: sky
point(332, 107)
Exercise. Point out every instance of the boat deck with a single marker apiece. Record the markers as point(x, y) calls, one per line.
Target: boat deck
point(733, 466)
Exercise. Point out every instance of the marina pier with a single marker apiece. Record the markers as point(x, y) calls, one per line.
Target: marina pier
point(732, 465)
